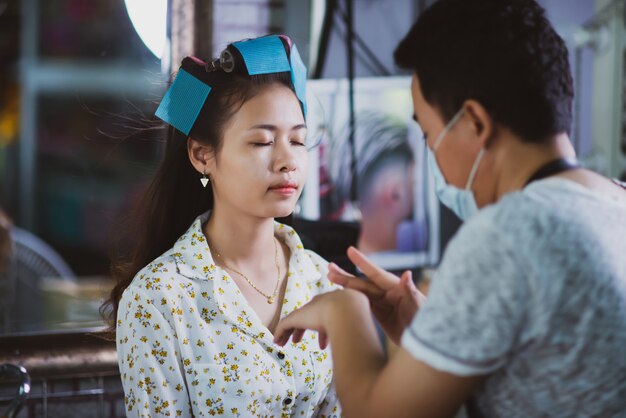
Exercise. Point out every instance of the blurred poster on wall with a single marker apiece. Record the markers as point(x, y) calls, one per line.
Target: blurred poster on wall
point(395, 204)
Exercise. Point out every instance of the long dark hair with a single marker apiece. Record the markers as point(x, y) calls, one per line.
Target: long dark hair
point(175, 196)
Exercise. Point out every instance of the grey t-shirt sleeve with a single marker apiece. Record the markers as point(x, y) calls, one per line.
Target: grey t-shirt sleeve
point(476, 306)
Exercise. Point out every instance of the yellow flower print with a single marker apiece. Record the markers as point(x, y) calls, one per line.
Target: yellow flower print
point(147, 385)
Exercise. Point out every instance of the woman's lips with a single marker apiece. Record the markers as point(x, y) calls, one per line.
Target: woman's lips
point(285, 189)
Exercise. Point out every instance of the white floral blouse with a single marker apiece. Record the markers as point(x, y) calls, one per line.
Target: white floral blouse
point(188, 343)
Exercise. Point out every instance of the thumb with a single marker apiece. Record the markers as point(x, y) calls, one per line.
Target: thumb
point(406, 280)
point(409, 284)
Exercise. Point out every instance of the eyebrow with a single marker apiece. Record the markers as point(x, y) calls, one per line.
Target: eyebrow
point(274, 128)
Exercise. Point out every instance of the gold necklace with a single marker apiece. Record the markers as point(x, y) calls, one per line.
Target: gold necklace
point(270, 298)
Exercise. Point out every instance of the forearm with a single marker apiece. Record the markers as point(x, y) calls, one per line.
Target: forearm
point(358, 357)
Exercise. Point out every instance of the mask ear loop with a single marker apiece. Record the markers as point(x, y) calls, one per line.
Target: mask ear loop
point(470, 180)
point(447, 128)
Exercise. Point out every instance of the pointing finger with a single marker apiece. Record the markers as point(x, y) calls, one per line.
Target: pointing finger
point(352, 282)
point(375, 274)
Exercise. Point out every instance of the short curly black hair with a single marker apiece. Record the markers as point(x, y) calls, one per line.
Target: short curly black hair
point(503, 53)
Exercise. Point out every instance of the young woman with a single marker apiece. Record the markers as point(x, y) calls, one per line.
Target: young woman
point(211, 272)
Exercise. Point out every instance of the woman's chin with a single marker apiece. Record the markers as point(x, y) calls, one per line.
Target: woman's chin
point(284, 210)
point(283, 214)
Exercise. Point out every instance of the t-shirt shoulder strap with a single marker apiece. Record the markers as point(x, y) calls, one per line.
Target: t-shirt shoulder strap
point(620, 183)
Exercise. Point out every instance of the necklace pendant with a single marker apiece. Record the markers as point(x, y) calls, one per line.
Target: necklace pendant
point(270, 300)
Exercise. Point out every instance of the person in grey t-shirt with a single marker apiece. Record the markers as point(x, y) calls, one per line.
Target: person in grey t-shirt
point(526, 316)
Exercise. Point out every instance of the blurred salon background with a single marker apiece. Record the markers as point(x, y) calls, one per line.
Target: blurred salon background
point(79, 83)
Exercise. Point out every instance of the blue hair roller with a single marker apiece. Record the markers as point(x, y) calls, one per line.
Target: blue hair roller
point(183, 101)
point(264, 55)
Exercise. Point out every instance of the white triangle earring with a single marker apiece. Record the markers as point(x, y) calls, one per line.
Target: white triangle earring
point(204, 180)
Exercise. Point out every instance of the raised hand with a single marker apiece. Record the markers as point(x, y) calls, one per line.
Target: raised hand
point(393, 300)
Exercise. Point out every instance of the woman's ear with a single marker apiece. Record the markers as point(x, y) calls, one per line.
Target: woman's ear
point(482, 124)
point(200, 155)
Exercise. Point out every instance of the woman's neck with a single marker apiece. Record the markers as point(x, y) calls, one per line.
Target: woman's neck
point(240, 240)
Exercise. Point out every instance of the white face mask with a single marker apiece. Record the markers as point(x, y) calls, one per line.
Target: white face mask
point(461, 202)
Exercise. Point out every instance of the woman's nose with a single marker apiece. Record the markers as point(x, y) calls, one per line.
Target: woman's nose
point(285, 159)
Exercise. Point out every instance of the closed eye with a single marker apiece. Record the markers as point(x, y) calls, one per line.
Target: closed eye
point(262, 144)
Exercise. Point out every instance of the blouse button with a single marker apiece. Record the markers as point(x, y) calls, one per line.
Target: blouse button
point(281, 355)
point(287, 401)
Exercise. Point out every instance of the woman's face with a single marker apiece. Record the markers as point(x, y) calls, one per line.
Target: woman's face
point(261, 166)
